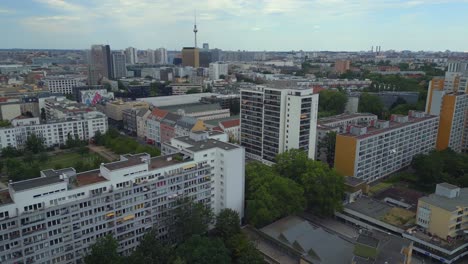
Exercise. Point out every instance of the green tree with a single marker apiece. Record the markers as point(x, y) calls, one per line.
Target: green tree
point(43, 157)
point(43, 114)
point(14, 169)
point(28, 157)
point(98, 138)
point(10, 152)
point(193, 91)
point(203, 250)
point(270, 196)
point(83, 150)
point(5, 123)
point(151, 250)
point(35, 143)
point(369, 103)
point(399, 101)
point(104, 251)
point(120, 85)
point(328, 143)
point(191, 219)
point(227, 223)
point(243, 251)
point(292, 164)
point(323, 188)
point(333, 102)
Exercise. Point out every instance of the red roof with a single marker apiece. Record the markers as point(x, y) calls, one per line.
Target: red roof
point(159, 113)
point(230, 123)
point(217, 129)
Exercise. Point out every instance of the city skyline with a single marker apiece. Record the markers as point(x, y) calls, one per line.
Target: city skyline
point(231, 25)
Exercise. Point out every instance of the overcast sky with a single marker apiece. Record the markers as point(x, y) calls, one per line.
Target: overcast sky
point(236, 24)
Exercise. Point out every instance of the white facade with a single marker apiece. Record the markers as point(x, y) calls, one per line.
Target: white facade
point(216, 69)
point(54, 133)
point(63, 84)
point(131, 56)
point(161, 56)
point(10, 111)
point(226, 160)
point(56, 217)
point(274, 120)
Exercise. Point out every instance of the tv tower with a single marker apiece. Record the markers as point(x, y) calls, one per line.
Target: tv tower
point(195, 30)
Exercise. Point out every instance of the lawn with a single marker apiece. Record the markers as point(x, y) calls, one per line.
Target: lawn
point(365, 251)
point(380, 187)
point(65, 160)
point(399, 217)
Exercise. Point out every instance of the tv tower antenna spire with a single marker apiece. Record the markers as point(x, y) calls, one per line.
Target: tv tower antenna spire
point(195, 30)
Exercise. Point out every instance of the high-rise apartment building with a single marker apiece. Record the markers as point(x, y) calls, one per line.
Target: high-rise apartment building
point(57, 216)
point(274, 120)
point(216, 69)
point(190, 57)
point(370, 153)
point(131, 55)
point(448, 98)
point(100, 64)
point(161, 56)
point(119, 69)
point(151, 54)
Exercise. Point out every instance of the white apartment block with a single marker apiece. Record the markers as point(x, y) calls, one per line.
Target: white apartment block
point(216, 69)
point(119, 68)
point(63, 84)
point(54, 133)
point(227, 162)
point(274, 120)
point(161, 56)
point(56, 217)
point(370, 153)
point(183, 88)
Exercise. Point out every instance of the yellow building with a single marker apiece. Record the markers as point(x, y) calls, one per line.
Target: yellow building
point(370, 153)
point(445, 212)
point(191, 57)
point(114, 109)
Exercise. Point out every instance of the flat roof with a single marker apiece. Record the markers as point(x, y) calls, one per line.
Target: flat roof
point(192, 108)
point(131, 160)
point(448, 185)
point(370, 207)
point(207, 143)
point(449, 204)
point(35, 183)
point(163, 161)
point(5, 197)
point(368, 240)
point(341, 117)
point(401, 194)
point(89, 177)
point(214, 122)
point(353, 181)
point(161, 101)
point(372, 131)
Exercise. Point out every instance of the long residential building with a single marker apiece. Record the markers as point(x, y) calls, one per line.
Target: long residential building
point(274, 120)
point(53, 132)
point(370, 153)
point(56, 217)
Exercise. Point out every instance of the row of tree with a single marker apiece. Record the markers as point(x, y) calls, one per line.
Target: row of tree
point(332, 102)
point(191, 241)
point(293, 184)
point(122, 144)
point(439, 166)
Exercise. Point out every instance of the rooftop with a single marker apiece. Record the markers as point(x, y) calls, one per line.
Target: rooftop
point(314, 243)
point(372, 131)
point(342, 117)
point(214, 122)
point(35, 183)
point(5, 197)
point(89, 177)
point(401, 194)
point(127, 161)
point(449, 204)
point(207, 143)
point(388, 247)
point(192, 108)
point(231, 123)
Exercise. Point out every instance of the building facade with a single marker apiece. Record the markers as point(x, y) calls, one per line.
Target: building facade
point(55, 132)
point(131, 56)
point(274, 120)
point(63, 84)
point(100, 64)
point(56, 217)
point(370, 153)
point(191, 57)
point(119, 68)
point(217, 69)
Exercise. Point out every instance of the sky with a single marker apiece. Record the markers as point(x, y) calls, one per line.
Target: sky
point(272, 25)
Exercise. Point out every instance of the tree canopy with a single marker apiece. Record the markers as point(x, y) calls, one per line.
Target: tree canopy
point(203, 250)
point(369, 103)
point(104, 251)
point(34, 143)
point(270, 196)
point(332, 102)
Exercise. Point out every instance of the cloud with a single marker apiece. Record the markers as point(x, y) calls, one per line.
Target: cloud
point(61, 5)
point(256, 29)
point(6, 11)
